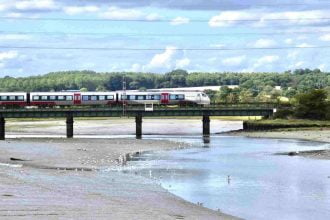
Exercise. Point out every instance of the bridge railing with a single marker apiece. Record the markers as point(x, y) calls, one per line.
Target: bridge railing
point(243, 106)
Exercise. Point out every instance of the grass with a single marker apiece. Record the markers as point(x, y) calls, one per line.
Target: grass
point(292, 122)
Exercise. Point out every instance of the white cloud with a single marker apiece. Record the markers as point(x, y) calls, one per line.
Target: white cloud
point(325, 37)
point(322, 67)
point(212, 59)
point(120, 13)
point(8, 55)
point(288, 41)
point(180, 21)
point(305, 45)
point(5, 37)
point(299, 64)
point(152, 17)
point(136, 67)
point(292, 54)
point(16, 6)
point(2, 7)
point(263, 18)
point(14, 15)
point(229, 18)
point(163, 59)
point(233, 61)
point(168, 60)
point(263, 43)
point(266, 60)
point(218, 45)
point(72, 10)
point(35, 5)
point(182, 63)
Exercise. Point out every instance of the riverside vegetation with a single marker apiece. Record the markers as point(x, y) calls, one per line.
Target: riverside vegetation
point(252, 87)
point(301, 94)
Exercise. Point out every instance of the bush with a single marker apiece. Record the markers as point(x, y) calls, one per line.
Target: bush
point(284, 113)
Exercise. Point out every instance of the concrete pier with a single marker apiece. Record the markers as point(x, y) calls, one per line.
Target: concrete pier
point(206, 125)
point(69, 126)
point(2, 128)
point(138, 122)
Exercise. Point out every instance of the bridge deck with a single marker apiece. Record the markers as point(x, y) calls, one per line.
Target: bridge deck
point(158, 111)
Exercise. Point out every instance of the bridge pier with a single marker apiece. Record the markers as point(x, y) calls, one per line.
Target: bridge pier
point(206, 125)
point(138, 123)
point(69, 126)
point(2, 128)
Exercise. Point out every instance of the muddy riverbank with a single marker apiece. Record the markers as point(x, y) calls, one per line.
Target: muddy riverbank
point(60, 178)
point(319, 135)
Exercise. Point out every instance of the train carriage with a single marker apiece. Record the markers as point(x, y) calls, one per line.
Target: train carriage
point(166, 98)
point(13, 99)
point(95, 98)
point(75, 98)
point(51, 98)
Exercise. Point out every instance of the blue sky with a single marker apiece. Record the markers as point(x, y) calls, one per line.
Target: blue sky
point(172, 27)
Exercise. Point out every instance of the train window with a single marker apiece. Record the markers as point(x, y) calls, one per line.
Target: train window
point(93, 97)
point(69, 98)
point(124, 97)
point(52, 97)
point(11, 98)
point(148, 97)
point(140, 97)
point(132, 97)
point(3, 98)
point(109, 97)
point(181, 97)
point(85, 97)
point(44, 97)
point(35, 97)
point(101, 97)
point(156, 97)
point(173, 97)
point(61, 97)
point(20, 98)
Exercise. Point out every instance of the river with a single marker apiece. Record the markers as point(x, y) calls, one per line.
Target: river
point(242, 176)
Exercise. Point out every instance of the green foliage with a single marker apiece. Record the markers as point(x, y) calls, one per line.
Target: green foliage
point(252, 86)
point(312, 105)
point(284, 114)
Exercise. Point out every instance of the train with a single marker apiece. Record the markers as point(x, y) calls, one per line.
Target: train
point(77, 98)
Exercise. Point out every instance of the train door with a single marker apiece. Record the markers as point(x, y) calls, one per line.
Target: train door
point(164, 98)
point(77, 99)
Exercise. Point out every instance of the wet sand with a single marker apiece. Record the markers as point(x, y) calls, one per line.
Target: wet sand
point(309, 135)
point(117, 126)
point(79, 178)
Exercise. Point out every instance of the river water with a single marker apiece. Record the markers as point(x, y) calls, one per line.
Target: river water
point(242, 176)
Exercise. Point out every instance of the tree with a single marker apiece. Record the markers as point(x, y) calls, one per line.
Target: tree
point(312, 105)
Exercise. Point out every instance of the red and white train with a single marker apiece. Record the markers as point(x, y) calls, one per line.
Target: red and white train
point(101, 98)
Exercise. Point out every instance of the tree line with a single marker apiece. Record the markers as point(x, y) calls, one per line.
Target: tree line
point(252, 86)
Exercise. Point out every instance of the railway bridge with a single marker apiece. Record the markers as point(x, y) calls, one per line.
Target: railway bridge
point(256, 109)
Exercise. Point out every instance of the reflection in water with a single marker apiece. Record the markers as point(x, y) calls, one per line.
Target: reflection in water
point(242, 176)
point(206, 140)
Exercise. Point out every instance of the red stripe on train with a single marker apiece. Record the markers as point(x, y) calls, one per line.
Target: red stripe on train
point(42, 103)
point(13, 103)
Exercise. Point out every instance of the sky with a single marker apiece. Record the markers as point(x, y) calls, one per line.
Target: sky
point(41, 36)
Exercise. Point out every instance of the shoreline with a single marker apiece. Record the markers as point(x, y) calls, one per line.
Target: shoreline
point(63, 153)
point(322, 136)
